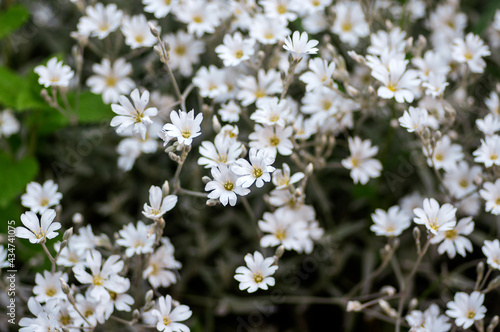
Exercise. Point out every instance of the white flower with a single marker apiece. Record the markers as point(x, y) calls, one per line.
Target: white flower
point(103, 278)
point(460, 181)
point(252, 89)
point(258, 170)
point(435, 85)
point(224, 185)
point(299, 44)
point(93, 310)
point(129, 150)
point(489, 151)
point(491, 249)
point(470, 51)
point(390, 223)
point(137, 32)
point(452, 241)
point(137, 240)
point(235, 49)
point(267, 31)
point(230, 112)
point(8, 124)
point(160, 8)
point(38, 198)
point(159, 204)
point(428, 321)
point(491, 194)
point(3, 258)
point(169, 318)
point(271, 111)
point(185, 126)
point(415, 119)
point(111, 80)
point(159, 266)
point(56, 73)
point(282, 178)
point(398, 82)
point(445, 155)
point(279, 9)
point(320, 73)
point(100, 21)
point(466, 308)
point(257, 274)
point(362, 166)
point(134, 115)
point(200, 16)
point(274, 139)
point(493, 103)
point(387, 42)
point(224, 150)
point(434, 217)
point(48, 286)
point(489, 125)
point(350, 23)
point(210, 82)
point(185, 51)
point(284, 228)
point(38, 230)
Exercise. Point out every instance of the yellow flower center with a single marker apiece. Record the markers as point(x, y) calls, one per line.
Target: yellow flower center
point(238, 54)
point(50, 291)
point(104, 27)
point(139, 38)
point(180, 50)
point(274, 141)
point(257, 172)
point(88, 312)
point(281, 9)
point(229, 186)
point(439, 157)
point(392, 87)
point(274, 118)
point(186, 133)
point(463, 183)
point(168, 2)
point(346, 26)
point(471, 314)
point(326, 105)
point(354, 162)
point(111, 81)
point(258, 278)
point(451, 234)
point(221, 159)
point(497, 201)
point(40, 234)
point(166, 321)
point(280, 234)
point(113, 295)
point(65, 320)
point(44, 202)
point(269, 35)
point(493, 156)
point(434, 225)
point(316, 3)
point(197, 19)
point(259, 94)
point(98, 280)
point(468, 56)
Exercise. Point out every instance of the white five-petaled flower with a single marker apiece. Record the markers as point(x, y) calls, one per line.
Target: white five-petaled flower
point(470, 51)
point(434, 217)
point(38, 198)
point(320, 73)
point(56, 73)
point(169, 318)
point(274, 139)
point(271, 111)
point(491, 194)
point(224, 185)
point(415, 119)
point(36, 230)
point(8, 123)
point(299, 45)
point(235, 49)
point(100, 21)
point(452, 240)
point(160, 8)
point(137, 32)
point(390, 223)
point(137, 240)
point(398, 82)
point(111, 79)
point(489, 151)
point(362, 166)
point(48, 286)
point(185, 126)
point(103, 278)
point(159, 204)
point(282, 178)
point(133, 114)
point(258, 170)
point(466, 308)
point(491, 249)
point(257, 274)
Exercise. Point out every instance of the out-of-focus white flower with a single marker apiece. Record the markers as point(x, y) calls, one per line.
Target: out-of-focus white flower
point(274, 139)
point(299, 45)
point(230, 112)
point(56, 73)
point(282, 227)
point(415, 119)
point(430, 320)
point(267, 31)
point(445, 155)
point(435, 85)
point(470, 51)
point(491, 249)
point(8, 124)
point(137, 31)
point(320, 73)
point(137, 240)
point(168, 317)
point(100, 21)
point(398, 82)
point(252, 89)
point(200, 16)
point(282, 178)
point(36, 230)
point(159, 267)
point(48, 286)
point(111, 80)
point(466, 308)
point(460, 181)
point(489, 125)
point(160, 8)
point(390, 223)
point(224, 150)
point(489, 151)
point(434, 217)
point(257, 274)
point(38, 198)
point(184, 127)
point(210, 82)
point(388, 43)
point(452, 241)
point(350, 23)
point(491, 194)
point(185, 51)
point(271, 111)
point(235, 49)
point(362, 166)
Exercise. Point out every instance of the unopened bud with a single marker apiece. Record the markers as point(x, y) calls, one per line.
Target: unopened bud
point(216, 124)
point(77, 218)
point(354, 306)
point(64, 286)
point(149, 305)
point(352, 91)
point(63, 245)
point(371, 90)
point(279, 252)
point(413, 304)
point(67, 235)
point(165, 189)
point(394, 123)
point(309, 170)
point(283, 76)
point(389, 290)
point(480, 272)
point(493, 323)
point(149, 296)
point(212, 202)
point(493, 284)
point(387, 308)
point(356, 57)
point(174, 157)
point(136, 314)
point(153, 29)
point(206, 179)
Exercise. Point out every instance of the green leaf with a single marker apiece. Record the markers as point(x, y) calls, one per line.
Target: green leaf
point(92, 109)
point(10, 85)
point(12, 18)
point(15, 176)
